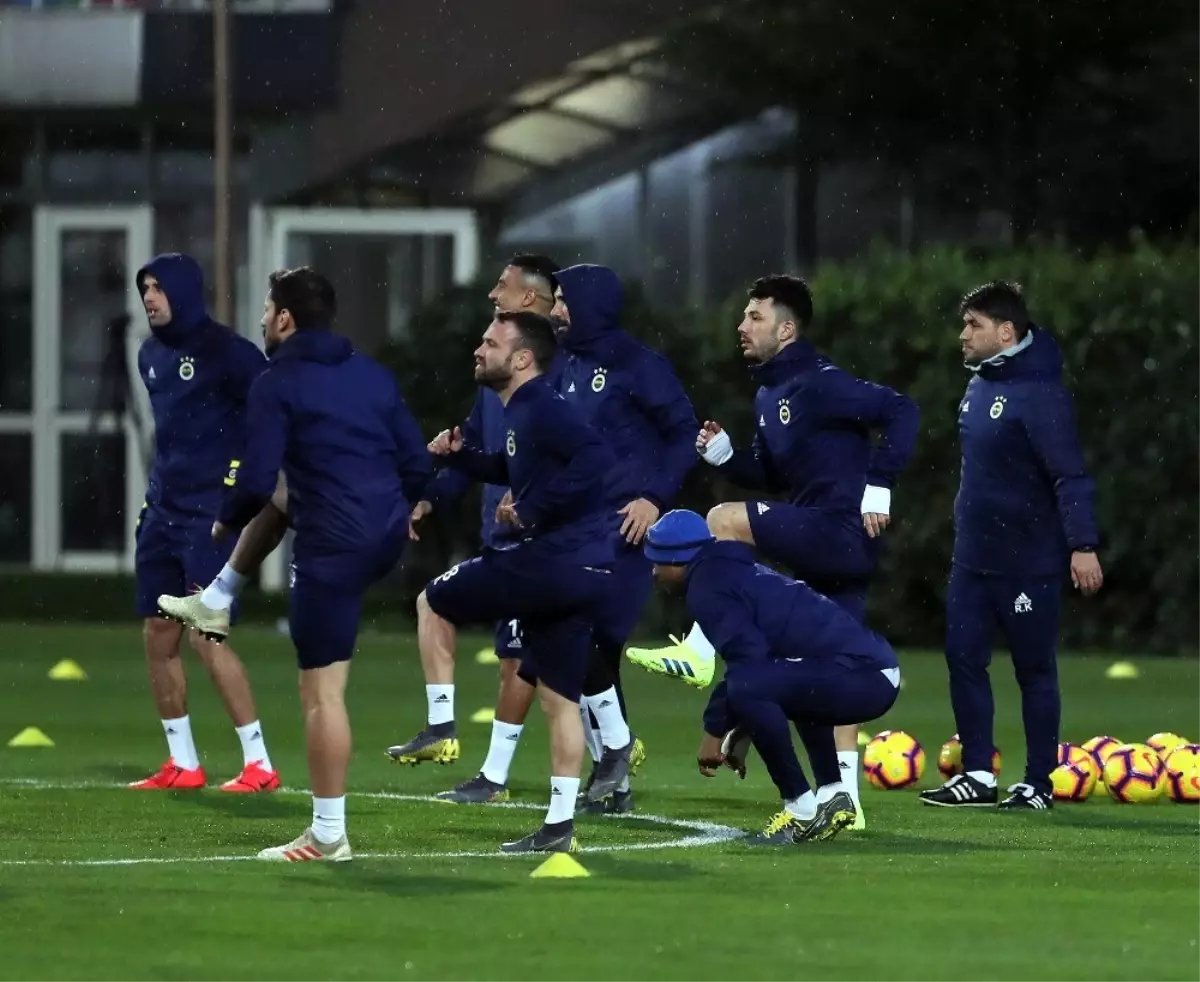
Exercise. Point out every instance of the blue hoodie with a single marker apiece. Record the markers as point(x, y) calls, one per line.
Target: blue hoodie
point(334, 421)
point(813, 434)
point(751, 614)
point(628, 392)
point(198, 374)
point(554, 462)
point(1024, 498)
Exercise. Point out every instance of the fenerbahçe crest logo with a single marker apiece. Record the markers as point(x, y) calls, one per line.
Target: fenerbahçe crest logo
point(510, 443)
point(997, 407)
point(187, 368)
point(600, 379)
point(785, 412)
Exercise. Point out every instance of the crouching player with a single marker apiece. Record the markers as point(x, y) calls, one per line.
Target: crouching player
point(791, 655)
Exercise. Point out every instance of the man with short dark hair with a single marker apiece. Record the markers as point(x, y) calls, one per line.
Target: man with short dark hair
point(334, 422)
point(554, 578)
point(1022, 518)
point(814, 441)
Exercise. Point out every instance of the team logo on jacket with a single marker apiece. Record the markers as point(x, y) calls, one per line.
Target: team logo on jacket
point(785, 412)
point(599, 380)
point(997, 407)
point(510, 443)
point(187, 368)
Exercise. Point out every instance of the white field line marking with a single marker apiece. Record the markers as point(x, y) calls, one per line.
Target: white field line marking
point(703, 833)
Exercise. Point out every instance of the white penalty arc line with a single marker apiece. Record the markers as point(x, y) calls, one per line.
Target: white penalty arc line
point(702, 833)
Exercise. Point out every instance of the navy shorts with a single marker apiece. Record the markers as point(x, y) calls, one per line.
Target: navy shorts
point(509, 640)
point(831, 552)
point(555, 599)
point(829, 690)
point(631, 585)
point(176, 557)
point(326, 600)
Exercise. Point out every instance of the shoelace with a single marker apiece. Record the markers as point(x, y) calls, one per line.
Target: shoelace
point(779, 822)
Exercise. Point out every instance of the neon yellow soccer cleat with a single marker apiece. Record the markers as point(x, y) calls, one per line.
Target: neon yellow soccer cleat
point(679, 661)
point(192, 612)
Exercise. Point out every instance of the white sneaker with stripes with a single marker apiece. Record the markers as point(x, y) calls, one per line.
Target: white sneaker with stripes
point(308, 848)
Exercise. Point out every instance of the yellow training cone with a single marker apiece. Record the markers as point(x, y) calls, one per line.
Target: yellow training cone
point(31, 736)
point(485, 656)
point(560, 866)
point(68, 671)
point(483, 716)
point(1122, 670)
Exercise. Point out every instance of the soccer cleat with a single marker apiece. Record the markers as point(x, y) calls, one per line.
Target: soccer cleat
point(477, 791)
point(735, 748)
point(171, 777)
point(613, 768)
point(1026, 796)
point(784, 829)
point(190, 611)
point(637, 756)
point(860, 820)
point(832, 817)
point(434, 747)
point(678, 661)
point(961, 791)
point(307, 849)
point(252, 780)
point(561, 838)
point(617, 803)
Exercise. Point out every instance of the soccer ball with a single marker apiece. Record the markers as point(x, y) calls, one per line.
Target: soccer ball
point(1163, 743)
point(1134, 774)
point(893, 759)
point(1100, 747)
point(1069, 753)
point(950, 758)
point(1075, 780)
point(1183, 774)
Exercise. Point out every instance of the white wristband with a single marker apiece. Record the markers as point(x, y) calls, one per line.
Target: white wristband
point(718, 449)
point(877, 501)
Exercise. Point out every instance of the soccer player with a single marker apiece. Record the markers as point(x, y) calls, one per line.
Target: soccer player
point(198, 374)
point(334, 421)
point(1022, 518)
point(556, 576)
point(813, 440)
point(526, 283)
point(632, 397)
point(791, 655)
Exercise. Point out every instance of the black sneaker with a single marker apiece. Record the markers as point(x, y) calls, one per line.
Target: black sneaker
point(559, 837)
point(436, 743)
point(1027, 796)
point(610, 772)
point(477, 791)
point(617, 803)
point(961, 791)
point(832, 817)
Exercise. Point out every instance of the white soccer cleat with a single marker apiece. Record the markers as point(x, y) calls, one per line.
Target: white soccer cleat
point(191, 611)
point(307, 849)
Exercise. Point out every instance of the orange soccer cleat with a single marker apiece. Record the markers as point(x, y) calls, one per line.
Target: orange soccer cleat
point(171, 777)
point(252, 780)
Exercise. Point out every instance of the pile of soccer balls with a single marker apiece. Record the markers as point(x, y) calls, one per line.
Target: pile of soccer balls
point(1132, 772)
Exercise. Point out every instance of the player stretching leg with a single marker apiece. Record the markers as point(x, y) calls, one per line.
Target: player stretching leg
point(554, 579)
point(791, 655)
point(525, 283)
point(353, 457)
point(632, 397)
point(813, 440)
point(197, 373)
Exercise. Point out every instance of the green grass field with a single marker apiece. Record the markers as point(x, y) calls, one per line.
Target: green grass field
point(1089, 891)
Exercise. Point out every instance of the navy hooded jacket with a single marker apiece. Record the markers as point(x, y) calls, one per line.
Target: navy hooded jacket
point(198, 374)
point(751, 614)
point(813, 436)
point(1024, 498)
point(555, 464)
point(334, 421)
point(626, 391)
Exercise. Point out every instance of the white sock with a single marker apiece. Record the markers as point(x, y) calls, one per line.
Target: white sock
point(804, 807)
point(329, 819)
point(501, 750)
point(986, 778)
point(606, 707)
point(562, 799)
point(848, 765)
point(221, 592)
point(590, 734)
point(700, 644)
point(827, 791)
point(441, 703)
point(180, 743)
point(254, 746)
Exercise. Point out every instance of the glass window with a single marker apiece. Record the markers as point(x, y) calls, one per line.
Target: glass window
point(16, 498)
point(93, 285)
point(92, 495)
point(16, 310)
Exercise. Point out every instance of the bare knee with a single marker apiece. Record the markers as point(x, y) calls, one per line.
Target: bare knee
point(161, 637)
point(508, 669)
point(323, 687)
point(423, 608)
point(730, 522)
point(208, 650)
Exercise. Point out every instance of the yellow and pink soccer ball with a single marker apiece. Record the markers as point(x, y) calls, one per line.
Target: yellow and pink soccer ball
point(1075, 779)
point(1164, 744)
point(1183, 774)
point(949, 760)
point(893, 759)
point(1134, 774)
point(1100, 747)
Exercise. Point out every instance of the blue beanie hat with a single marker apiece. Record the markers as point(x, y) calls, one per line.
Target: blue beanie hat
point(677, 537)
